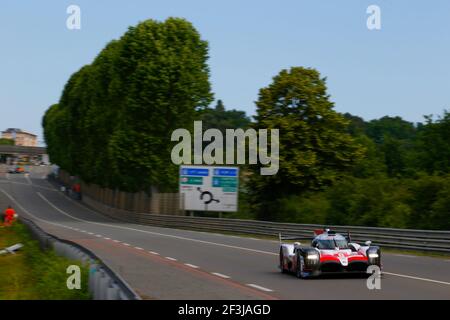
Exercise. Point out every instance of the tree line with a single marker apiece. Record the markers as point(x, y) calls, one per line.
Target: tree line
point(113, 123)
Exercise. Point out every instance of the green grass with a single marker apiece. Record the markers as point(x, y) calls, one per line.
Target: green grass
point(34, 274)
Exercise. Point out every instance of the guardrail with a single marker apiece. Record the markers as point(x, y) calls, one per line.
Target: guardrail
point(421, 240)
point(104, 283)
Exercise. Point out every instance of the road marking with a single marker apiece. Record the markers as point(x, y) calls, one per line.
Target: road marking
point(416, 278)
point(106, 238)
point(176, 237)
point(155, 233)
point(404, 256)
point(259, 287)
point(153, 252)
point(27, 184)
point(99, 236)
point(138, 248)
point(27, 177)
point(171, 259)
point(90, 233)
point(116, 241)
point(126, 244)
point(220, 275)
point(191, 265)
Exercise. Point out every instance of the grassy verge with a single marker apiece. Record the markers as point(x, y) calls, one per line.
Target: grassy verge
point(33, 274)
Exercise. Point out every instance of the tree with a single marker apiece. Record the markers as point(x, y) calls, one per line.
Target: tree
point(432, 149)
point(315, 147)
point(393, 127)
point(119, 111)
point(219, 118)
point(4, 141)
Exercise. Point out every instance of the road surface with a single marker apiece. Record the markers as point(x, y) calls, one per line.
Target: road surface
point(161, 263)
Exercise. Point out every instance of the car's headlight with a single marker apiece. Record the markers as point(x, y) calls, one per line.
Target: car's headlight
point(312, 257)
point(373, 255)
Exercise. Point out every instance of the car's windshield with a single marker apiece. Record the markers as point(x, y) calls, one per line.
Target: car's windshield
point(332, 244)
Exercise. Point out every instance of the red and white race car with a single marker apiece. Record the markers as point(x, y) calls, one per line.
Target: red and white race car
point(329, 252)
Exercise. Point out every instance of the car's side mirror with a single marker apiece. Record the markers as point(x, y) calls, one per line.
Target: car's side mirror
point(368, 243)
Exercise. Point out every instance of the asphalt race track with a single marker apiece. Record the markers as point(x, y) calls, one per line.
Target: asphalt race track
point(162, 263)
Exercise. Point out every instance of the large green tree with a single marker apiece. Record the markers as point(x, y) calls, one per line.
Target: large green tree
point(119, 112)
point(315, 146)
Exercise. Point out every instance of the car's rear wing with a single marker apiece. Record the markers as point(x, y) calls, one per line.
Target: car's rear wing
point(315, 234)
point(281, 238)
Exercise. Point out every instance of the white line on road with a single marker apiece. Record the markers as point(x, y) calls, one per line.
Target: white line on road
point(171, 259)
point(126, 244)
point(153, 252)
point(116, 241)
point(220, 275)
point(27, 184)
point(416, 278)
point(27, 177)
point(191, 265)
point(99, 236)
point(154, 233)
point(259, 287)
point(403, 255)
point(91, 233)
point(106, 238)
point(138, 248)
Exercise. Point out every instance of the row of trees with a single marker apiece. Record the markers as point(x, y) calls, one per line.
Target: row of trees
point(113, 123)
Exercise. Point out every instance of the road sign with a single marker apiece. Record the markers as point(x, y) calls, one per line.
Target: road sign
point(209, 188)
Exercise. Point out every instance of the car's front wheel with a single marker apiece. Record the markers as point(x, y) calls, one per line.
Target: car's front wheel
point(283, 270)
point(299, 272)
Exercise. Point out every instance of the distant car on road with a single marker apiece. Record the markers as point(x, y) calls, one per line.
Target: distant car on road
point(17, 170)
point(329, 252)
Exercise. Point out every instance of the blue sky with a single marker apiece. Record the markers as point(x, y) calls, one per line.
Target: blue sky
point(402, 69)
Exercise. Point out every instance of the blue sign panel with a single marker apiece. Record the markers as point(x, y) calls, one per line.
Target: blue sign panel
point(195, 172)
point(225, 172)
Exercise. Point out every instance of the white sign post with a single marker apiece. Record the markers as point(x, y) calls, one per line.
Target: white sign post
point(209, 188)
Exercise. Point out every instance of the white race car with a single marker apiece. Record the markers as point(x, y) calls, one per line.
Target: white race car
point(329, 252)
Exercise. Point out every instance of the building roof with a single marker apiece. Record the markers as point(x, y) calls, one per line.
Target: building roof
point(16, 130)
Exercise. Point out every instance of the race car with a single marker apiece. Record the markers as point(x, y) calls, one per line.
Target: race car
point(17, 170)
point(329, 252)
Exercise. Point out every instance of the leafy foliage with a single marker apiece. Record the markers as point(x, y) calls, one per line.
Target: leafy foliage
point(4, 141)
point(315, 148)
point(113, 122)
